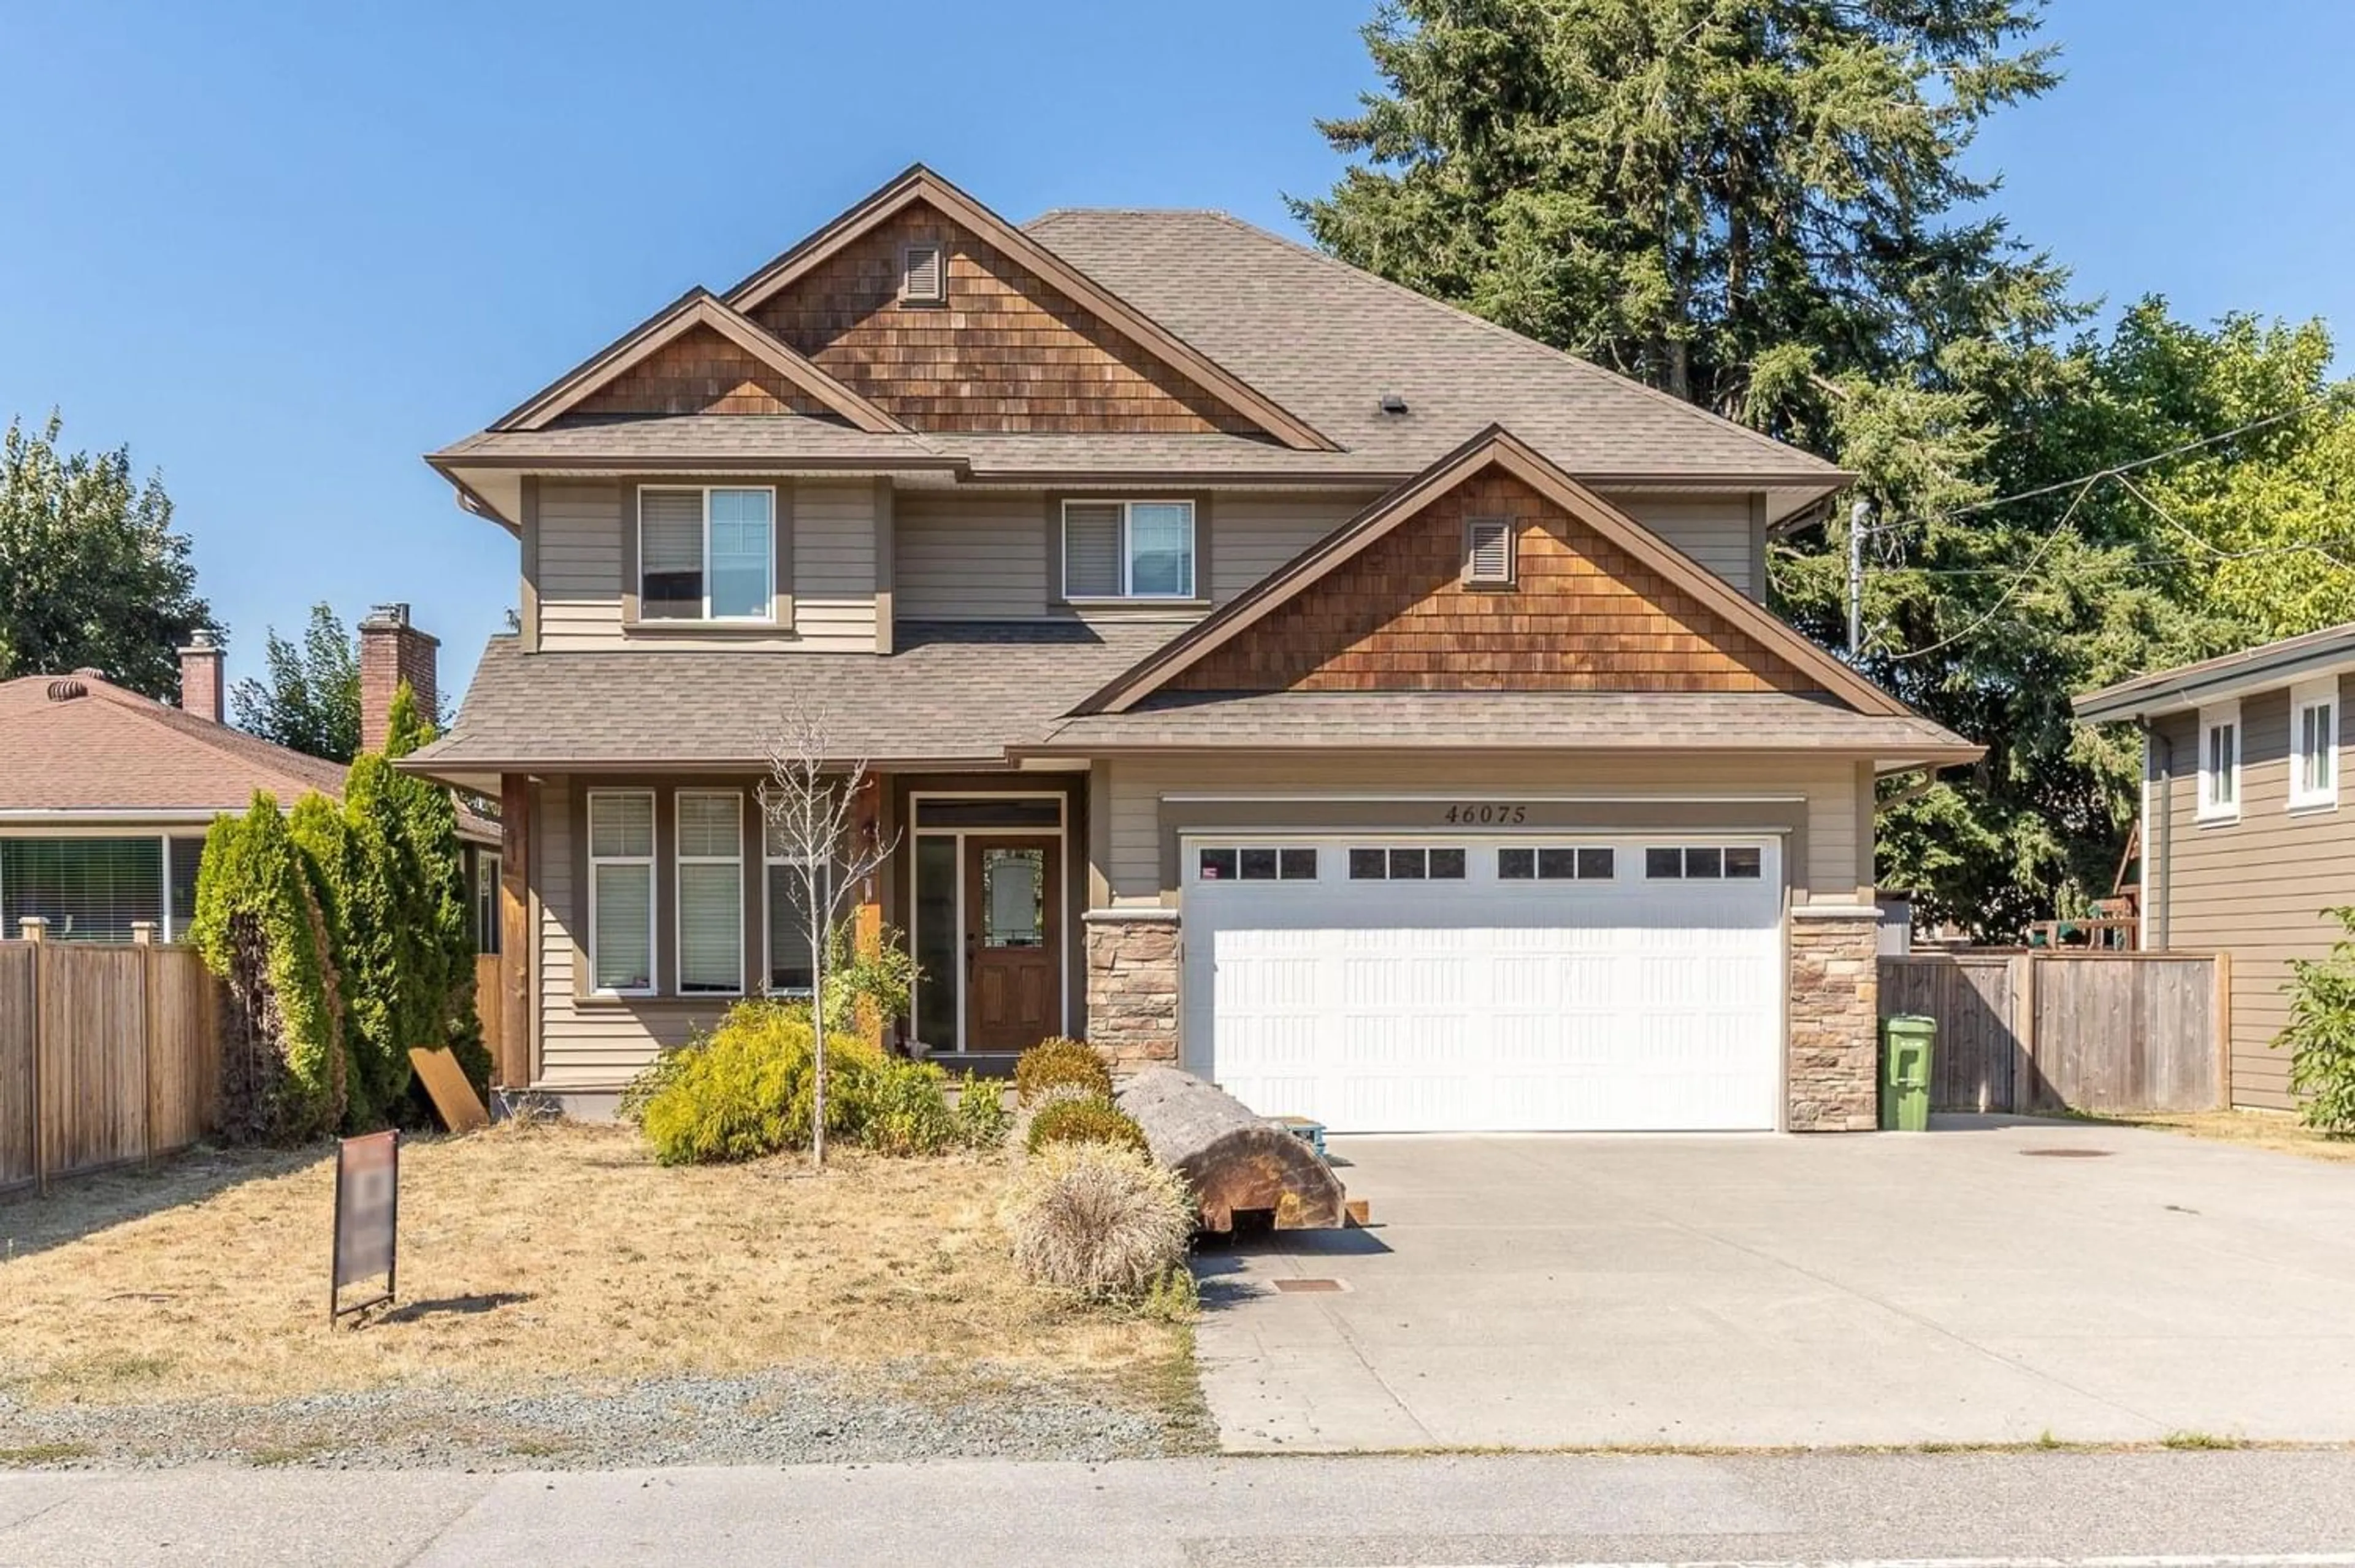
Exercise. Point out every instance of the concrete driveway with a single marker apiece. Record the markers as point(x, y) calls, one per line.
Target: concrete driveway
point(1992, 1281)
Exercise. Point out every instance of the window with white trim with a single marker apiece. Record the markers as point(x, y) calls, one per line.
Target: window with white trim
point(1703, 862)
point(1414, 865)
point(2314, 745)
point(793, 968)
point(1271, 864)
point(710, 892)
point(1553, 863)
point(707, 553)
point(1128, 549)
point(2219, 764)
point(622, 892)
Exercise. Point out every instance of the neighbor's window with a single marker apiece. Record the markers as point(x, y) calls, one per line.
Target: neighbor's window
point(710, 892)
point(706, 554)
point(2314, 730)
point(89, 890)
point(1128, 549)
point(2219, 764)
point(793, 972)
point(622, 892)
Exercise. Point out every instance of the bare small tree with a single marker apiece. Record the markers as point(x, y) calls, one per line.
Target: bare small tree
point(810, 807)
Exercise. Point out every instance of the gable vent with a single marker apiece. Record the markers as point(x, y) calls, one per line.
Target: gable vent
point(67, 690)
point(1488, 551)
point(924, 275)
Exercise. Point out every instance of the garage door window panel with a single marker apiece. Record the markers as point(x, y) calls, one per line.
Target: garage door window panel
point(1407, 865)
point(1704, 862)
point(1255, 863)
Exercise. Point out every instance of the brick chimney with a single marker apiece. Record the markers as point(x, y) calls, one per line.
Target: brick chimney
point(200, 678)
point(392, 651)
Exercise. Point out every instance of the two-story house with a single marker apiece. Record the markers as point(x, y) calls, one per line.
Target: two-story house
point(1265, 668)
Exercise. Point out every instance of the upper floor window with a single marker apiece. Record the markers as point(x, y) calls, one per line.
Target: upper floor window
point(705, 554)
point(2314, 733)
point(1128, 549)
point(2220, 763)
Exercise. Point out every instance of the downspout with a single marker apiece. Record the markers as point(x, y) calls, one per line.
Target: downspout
point(2158, 838)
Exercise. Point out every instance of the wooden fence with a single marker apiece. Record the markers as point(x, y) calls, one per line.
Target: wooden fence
point(109, 1055)
point(2080, 1031)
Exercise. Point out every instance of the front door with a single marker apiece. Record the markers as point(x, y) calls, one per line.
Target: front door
point(1014, 968)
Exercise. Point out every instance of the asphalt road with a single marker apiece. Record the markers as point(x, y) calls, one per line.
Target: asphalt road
point(2251, 1508)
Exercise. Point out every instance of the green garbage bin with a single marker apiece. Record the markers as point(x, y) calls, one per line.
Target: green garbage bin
point(1906, 1041)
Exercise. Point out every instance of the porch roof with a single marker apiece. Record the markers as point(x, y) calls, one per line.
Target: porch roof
point(953, 694)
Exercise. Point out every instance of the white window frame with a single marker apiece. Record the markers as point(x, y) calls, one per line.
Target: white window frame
point(2219, 793)
point(1128, 592)
point(2304, 698)
point(681, 858)
point(768, 615)
point(653, 891)
point(769, 860)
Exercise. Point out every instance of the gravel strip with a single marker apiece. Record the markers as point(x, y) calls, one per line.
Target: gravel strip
point(782, 1417)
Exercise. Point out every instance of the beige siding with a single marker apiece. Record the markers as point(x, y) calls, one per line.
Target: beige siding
point(969, 557)
point(1254, 535)
point(1829, 788)
point(2254, 888)
point(1714, 530)
point(834, 567)
point(581, 570)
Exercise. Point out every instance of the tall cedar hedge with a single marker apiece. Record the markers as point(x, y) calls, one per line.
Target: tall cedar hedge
point(341, 932)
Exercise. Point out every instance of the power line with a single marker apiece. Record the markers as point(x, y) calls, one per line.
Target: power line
point(2009, 589)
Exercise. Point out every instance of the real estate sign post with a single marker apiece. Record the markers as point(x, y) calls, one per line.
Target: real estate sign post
point(367, 1218)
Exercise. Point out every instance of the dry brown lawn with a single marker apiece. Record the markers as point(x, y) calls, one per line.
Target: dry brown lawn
point(535, 1254)
point(2275, 1130)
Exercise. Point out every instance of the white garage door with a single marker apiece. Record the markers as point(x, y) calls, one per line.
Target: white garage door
point(1478, 985)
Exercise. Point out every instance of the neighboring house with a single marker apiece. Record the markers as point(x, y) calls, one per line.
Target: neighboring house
point(1267, 669)
point(2242, 842)
point(105, 795)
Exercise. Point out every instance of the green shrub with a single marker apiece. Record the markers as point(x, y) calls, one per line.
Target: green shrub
point(982, 1117)
point(1094, 1119)
point(1059, 1060)
point(1101, 1221)
point(2321, 1035)
point(906, 1113)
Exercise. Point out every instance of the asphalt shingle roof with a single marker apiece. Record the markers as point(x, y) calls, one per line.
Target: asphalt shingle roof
point(1505, 721)
point(113, 749)
point(953, 692)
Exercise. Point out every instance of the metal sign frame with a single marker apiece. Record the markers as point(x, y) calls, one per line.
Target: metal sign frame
point(357, 1162)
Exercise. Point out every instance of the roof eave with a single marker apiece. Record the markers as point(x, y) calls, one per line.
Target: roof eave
point(2192, 685)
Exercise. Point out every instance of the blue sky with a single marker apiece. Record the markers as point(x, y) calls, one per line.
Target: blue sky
point(280, 251)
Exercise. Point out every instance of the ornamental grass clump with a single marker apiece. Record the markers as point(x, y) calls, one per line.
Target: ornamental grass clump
point(1059, 1060)
point(1092, 1118)
point(1098, 1219)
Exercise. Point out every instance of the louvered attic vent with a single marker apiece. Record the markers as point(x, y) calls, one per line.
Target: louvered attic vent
point(1488, 551)
point(924, 275)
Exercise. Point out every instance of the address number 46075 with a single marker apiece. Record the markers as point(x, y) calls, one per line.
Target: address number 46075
point(1490, 816)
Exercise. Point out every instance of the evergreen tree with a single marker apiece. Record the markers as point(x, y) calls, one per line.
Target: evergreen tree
point(311, 701)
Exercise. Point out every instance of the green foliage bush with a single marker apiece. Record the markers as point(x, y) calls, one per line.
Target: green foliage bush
point(1102, 1221)
point(262, 927)
point(1059, 1060)
point(982, 1117)
point(1094, 1119)
point(2321, 1035)
point(746, 1089)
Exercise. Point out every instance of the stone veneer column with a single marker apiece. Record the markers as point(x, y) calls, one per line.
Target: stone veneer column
point(1132, 986)
point(1835, 1053)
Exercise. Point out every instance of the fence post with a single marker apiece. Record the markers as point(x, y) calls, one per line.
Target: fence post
point(36, 931)
point(143, 933)
point(2223, 1011)
point(2028, 1077)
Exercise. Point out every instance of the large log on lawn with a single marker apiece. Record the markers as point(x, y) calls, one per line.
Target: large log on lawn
point(1235, 1162)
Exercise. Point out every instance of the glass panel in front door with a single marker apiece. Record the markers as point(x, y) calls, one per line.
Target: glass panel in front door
point(1012, 898)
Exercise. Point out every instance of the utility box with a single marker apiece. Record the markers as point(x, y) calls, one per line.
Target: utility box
point(1907, 1041)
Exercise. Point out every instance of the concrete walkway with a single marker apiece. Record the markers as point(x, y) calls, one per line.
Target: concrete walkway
point(2015, 1510)
point(1992, 1281)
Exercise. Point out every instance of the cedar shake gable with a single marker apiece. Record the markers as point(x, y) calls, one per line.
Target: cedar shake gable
point(1596, 602)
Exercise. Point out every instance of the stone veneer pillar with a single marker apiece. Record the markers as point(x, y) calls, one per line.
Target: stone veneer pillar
point(1835, 1053)
point(1132, 986)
